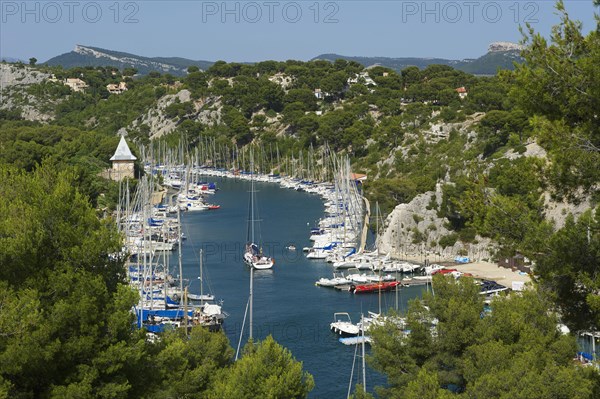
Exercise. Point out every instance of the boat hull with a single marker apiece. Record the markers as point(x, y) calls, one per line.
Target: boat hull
point(375, 287)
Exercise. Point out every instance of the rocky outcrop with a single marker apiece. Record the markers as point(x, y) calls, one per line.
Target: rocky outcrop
point(557, 211)
point(531, 150)
point(414, 229)
point(504, 46)
point(128, 59)
point(12, 75)
point(283, 80)
point(15, 94)
point(441, 130)
point(156, 119)
point(206, 111)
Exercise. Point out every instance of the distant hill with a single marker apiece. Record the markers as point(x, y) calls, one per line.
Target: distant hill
point(397, 64)
point(489, 63)
point(10, 59)
point(93, 56)
point(501, 55)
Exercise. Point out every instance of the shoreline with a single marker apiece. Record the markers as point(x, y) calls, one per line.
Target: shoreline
point(479, 269)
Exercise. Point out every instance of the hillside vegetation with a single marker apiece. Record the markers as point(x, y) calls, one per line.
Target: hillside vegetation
point(504, 159)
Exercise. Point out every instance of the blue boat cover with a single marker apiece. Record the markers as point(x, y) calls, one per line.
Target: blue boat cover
point(145, 314)
point(352, 252)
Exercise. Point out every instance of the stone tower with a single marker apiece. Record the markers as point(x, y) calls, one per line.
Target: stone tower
point(122, 162)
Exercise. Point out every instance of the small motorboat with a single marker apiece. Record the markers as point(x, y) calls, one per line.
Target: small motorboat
point(342, 325)
point(212, 207)
point(291, 247)
point(338, 279)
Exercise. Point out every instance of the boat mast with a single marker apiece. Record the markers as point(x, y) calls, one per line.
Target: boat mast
point(364, 373)
point(201, 282)
point(179, 250)
point(251, 239)
point(377, 246)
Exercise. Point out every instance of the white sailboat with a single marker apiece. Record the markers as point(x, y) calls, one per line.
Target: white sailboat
point(253, 254)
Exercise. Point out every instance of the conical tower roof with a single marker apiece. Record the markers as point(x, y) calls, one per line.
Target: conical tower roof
point(123, 153)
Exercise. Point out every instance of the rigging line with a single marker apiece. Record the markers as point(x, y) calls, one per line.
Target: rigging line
point(237, 352)
point(352, 372)
point(195, 251)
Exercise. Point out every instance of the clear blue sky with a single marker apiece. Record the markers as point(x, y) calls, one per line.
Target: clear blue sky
point(273, 29)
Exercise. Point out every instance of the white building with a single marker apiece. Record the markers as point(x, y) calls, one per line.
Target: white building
point(114, 88)
point(462, 92)
point(76, 84)
point(364, 77)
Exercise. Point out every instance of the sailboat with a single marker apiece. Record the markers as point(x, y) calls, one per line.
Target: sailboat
point(253, 254)
point(212, 314)
point(202, 297)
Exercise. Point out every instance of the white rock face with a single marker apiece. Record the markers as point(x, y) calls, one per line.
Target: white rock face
point(10, 75)
point(504, 46)
point(282, 80)
point(155, 117)
point(126, 60)
point(401, 225)
point(14, 82)
point(159, 124)
point(532, 150)
point(558, 211)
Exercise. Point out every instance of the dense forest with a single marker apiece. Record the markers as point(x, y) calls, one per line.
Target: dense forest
point(65, 320)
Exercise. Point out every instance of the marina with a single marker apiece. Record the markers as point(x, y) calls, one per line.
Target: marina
point(292, 299)
point(287, 304)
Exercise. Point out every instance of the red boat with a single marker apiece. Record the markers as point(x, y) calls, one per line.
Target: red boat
point(374, 287)
point(213, 207)
point(444, 271)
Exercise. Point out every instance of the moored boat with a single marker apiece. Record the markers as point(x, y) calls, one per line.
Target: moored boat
point(374, 287)
point(342, 325)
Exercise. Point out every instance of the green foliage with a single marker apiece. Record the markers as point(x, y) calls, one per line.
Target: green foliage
point(567, 268)
point(515, 350)
point(178, 109)
point(188, 366)
point(448, 240)
point(390, 192)
point(69, 306)
point(496, 127)
point(27, 145)
point(266, 370)
point(558, 83)
point(66, 320)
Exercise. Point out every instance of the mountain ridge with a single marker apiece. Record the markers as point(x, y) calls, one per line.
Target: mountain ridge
point(501, 55)
point(487, 64)
point(95, 56)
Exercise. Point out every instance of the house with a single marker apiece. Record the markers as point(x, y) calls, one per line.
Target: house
point(114, 88)
point(319, 94)
point(364, 77)
point(462, 92)
point(122, 162)
point(76, 84)
point(358, 177)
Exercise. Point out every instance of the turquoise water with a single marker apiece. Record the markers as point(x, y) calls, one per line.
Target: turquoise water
point(287, 304)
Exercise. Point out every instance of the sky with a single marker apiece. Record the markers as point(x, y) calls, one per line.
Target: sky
point(249, 31)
